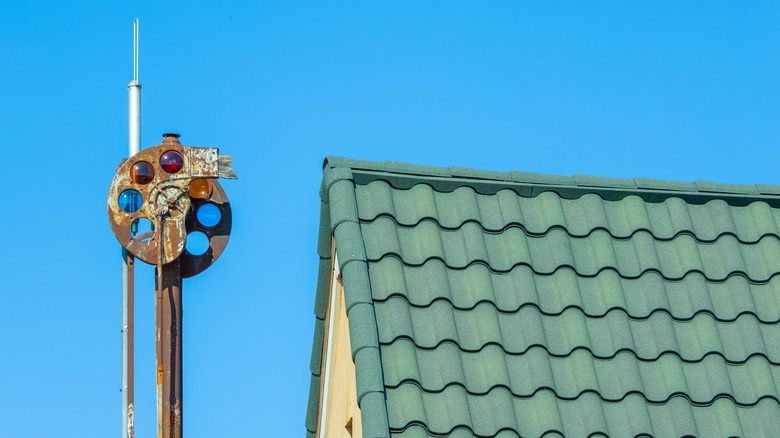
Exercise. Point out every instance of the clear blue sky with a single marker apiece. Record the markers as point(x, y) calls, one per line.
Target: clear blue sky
point(670, 90)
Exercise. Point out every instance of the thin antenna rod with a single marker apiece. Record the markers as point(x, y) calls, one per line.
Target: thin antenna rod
point(135, 50)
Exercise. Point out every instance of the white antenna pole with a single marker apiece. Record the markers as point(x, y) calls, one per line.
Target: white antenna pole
point(128, 355)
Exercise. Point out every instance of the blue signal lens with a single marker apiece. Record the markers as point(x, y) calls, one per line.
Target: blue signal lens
point(209, 215)
point(197, 243)
point(130, 201)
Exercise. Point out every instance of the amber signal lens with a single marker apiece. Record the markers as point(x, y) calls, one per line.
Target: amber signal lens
point(142, 172)
point(200, 188)
point(171, 161)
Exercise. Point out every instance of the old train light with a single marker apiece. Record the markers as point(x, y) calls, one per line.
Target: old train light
point(171, 161)
point(174, 189)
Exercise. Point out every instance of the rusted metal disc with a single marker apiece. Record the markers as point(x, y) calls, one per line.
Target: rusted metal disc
point(165, 200)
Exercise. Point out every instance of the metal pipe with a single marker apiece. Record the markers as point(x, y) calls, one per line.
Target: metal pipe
point(128, 271)
point(127, 355)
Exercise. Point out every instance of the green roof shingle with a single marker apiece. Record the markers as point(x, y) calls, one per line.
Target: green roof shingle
point(516, 304)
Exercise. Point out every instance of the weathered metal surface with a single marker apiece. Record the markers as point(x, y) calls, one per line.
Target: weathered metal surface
point(169, 352)
point(130, 420)
point(167, 196)
point(204, 162)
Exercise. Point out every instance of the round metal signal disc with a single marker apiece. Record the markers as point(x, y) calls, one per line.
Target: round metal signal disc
point(165, 185)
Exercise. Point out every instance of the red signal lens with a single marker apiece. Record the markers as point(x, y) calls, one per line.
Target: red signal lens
point(142, 172)
point(171, 161)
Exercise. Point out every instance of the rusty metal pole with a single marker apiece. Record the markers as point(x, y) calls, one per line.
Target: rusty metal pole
point(158, 325)
point(172, 349)
point(169, 335)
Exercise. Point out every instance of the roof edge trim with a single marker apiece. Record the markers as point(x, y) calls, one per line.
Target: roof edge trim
point(339, 224)
point(403, 176)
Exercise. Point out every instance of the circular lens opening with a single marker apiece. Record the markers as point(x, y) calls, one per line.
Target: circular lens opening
point(142, 227)
point(197, 243)
point(200, 188)
point(171, 161)
point(142, 172)
point(209, 215)
point(130, 201)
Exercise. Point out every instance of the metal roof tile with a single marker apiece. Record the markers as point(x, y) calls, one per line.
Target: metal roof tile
point(315, 364)
point(320, 302)
point(325, 234)
point(313, 405)
point(356, 281)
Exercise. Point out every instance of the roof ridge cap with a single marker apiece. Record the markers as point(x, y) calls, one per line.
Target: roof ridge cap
point(709, 188)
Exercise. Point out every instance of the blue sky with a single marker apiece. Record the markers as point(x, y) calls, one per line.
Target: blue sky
point(670, 90)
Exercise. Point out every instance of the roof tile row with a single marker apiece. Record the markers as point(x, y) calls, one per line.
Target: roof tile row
point(604, 337)
point(580, 372)
point(485, 416)
point(595, 296)
point(588, 256)
point(579, 217)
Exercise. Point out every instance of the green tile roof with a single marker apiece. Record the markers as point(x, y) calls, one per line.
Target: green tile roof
point(517, 304)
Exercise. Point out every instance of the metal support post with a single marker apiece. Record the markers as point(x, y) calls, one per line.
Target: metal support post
point(169, 352)
point(128, 353)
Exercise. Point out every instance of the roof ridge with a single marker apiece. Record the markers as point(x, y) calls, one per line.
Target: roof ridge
point(595, 183)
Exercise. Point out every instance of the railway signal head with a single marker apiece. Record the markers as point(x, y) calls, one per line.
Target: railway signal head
point(174, 189)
